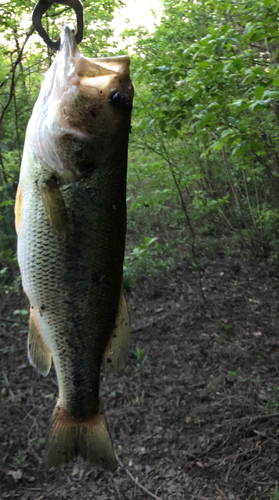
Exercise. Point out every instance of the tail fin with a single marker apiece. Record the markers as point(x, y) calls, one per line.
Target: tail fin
point(69, 437)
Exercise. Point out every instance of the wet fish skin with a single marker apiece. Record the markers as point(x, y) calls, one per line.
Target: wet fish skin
point(71, 224)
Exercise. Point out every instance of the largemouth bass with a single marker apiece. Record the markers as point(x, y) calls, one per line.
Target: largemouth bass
point(71, 224)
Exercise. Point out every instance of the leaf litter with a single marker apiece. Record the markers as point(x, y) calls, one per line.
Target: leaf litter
point(194, 415)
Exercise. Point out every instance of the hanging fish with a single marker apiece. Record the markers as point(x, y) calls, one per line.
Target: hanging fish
point(71, 224)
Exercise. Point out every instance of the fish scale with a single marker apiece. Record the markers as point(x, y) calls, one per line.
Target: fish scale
point(72, 281)
point(71, 224)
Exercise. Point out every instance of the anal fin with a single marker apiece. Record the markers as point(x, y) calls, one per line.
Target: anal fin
point(39, 354)
point(117, 349)
point(54, 204)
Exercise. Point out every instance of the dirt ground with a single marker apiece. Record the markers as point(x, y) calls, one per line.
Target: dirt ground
point(195, 413)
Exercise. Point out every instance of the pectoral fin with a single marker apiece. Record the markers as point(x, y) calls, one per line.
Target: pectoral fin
point(54, 204)
point(38, 353)
point(118, 347)
point(18, 204)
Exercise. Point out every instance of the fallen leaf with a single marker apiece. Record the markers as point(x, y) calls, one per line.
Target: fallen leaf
point(16, 474)
point(75, 470)
point(147, 469)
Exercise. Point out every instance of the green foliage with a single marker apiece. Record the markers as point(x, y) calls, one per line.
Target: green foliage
point(272, 405)
point(22, 314)
point(141, 358)
point(147, 259)
point(207, 107)
point(276, 493)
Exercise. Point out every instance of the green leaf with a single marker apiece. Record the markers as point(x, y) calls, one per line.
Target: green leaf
point(257, 146)
point(249, 28)
point(256, 105)
point(258, 92)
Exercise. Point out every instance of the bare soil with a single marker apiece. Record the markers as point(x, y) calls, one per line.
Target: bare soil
point(194, 414)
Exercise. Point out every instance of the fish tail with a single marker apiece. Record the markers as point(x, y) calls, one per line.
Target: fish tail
point(70, 437)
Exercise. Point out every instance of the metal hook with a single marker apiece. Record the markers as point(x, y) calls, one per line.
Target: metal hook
point(42, 6)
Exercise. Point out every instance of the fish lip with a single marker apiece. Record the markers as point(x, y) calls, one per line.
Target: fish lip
point(68, 40)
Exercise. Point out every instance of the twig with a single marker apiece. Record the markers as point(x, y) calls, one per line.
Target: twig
point(262, 417)
point(188, 220)
point(13, 71)
point(258, 482)
point(59, 13)
point(268, 438)
point(136, 481)
point(189, 225)
point(223, 495)
point(4, 320)
point(250, 419)
point(117, 489)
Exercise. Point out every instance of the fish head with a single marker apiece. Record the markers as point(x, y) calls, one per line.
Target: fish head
point(102, 103)
point(98, 93)
point(84, 105)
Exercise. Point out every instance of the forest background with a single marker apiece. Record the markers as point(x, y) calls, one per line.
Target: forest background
point(204, 150)
point(195, 413)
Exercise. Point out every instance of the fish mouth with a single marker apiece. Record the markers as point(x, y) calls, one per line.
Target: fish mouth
point(87, 66)
point(68, 45)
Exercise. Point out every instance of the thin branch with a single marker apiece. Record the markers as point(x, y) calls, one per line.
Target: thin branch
point(136, 481)
point(16, 129)
point(165, 155)
point(13, 321)
point(188, 219)
point(268, 438)
point(256, 418)
point(3, 169)
point(247, 419)
point(56, 14)
point(13, 70)
point(248, 201)
point(259, 482)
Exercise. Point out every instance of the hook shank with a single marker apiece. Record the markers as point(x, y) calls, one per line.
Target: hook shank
point(42, 6)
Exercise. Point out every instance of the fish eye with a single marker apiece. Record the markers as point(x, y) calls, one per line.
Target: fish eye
point(120, 101)
point(116, 100)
